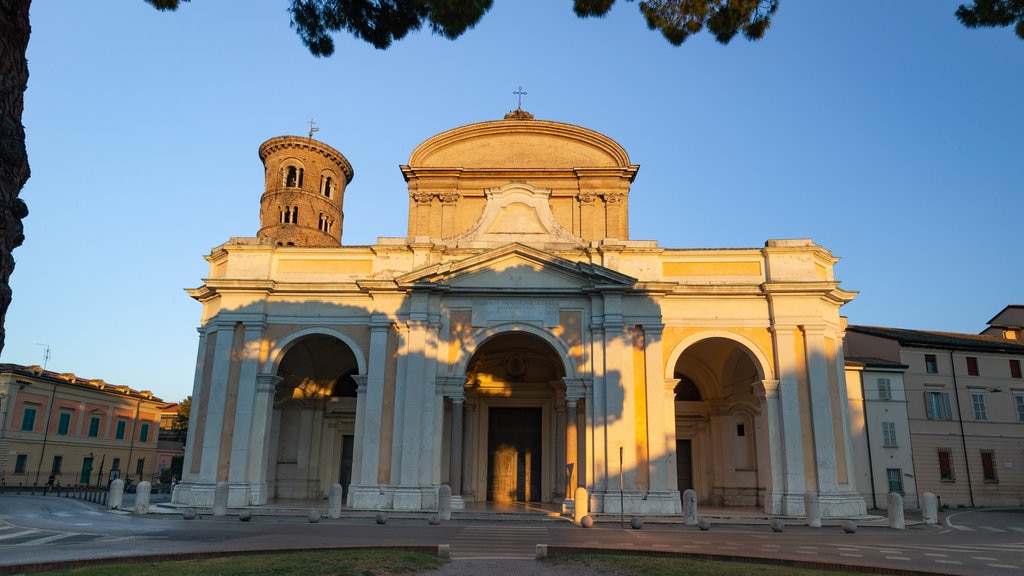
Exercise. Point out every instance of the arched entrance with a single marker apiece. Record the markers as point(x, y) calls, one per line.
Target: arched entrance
point(313, 427)
point(516, 432)
point(718, 420)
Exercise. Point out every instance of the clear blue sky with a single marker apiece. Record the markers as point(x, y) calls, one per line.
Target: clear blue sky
point(883, 130)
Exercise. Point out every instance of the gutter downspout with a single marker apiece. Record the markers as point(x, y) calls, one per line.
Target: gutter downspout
point(867, 440)
point(46, 431)
point(963, 436)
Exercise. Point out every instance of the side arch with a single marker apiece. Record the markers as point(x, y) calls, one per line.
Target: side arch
point(761, 361)
point(282, 346)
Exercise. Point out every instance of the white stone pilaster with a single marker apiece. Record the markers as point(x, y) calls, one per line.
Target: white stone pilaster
point(216, 400)
point(239, 471)
point(793, 484)
point(821, 410)
point(259, 439)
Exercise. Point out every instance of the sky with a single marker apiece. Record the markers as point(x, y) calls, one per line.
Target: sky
point(883, 130)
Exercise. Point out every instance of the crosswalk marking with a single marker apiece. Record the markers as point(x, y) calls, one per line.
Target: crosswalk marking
point(18, 534)
point(498, 542)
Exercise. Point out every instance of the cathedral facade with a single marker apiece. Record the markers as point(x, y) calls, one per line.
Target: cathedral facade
point(517, 344)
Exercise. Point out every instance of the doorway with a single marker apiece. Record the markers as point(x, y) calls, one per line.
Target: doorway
point(514, 449)
point(684, 465)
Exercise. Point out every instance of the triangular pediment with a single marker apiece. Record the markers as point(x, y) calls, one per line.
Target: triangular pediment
point(518, 268)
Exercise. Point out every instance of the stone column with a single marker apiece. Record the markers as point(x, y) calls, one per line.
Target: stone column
point(215, 401)
point(259, 439)
point(669, 407)
point(790, 490)
point(821, 410)
point(240, 474)
point(660, 420)
point(364, 491)
point(561, 433)
point(414, 409)
point(571, 452)
point(768, 392)
point(455, 447)
point(576, 389)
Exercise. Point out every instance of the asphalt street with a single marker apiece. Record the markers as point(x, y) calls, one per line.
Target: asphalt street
point(46, 529)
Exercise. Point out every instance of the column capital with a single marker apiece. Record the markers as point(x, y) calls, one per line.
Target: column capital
point(764, 389)
point(267, 383)
point(453, 387)
point(360, 380)
point(670, 387)
point(576, 388)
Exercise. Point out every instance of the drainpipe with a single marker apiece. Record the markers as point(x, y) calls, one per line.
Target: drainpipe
point(131, 446)
point(963, 437)
point(867, 439)
point(46, 431)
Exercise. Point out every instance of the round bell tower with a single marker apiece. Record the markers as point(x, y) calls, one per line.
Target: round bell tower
point(304, 192)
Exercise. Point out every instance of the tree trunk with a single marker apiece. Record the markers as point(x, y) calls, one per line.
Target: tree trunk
point(14, 171)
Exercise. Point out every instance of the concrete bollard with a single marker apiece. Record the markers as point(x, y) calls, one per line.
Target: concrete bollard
point(142, 497)
point(896, 521)
point(778, 525)
point(444, 551)
point(690, 507)
point(812, 509)
point(581, 504)
point(245, 515)
point(116, 497)
point(703, 523)
point(334, 498)
point(849, 526)
point(930, 508)
point(636, 523)
point(541, 553)
point(381, 518)
point(587, 521)
point(444, 502)
point(220, 499)
point(313, 516)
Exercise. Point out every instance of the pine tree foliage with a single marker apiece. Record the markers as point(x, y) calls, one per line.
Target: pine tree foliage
point(993, 13)
point(381, 22)
point(679, 19)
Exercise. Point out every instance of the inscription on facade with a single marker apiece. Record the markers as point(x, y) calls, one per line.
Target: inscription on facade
point(486, 312)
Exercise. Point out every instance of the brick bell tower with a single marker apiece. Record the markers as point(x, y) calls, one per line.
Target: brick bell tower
point(304, 192)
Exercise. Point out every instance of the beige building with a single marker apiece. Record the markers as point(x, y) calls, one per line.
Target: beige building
point(77, 430)
point(516, 344)
point(965, 407)
point(880, 430)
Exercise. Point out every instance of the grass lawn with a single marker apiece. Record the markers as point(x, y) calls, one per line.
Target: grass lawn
point(396, 562)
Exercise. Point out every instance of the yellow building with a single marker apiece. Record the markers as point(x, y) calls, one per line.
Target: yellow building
point(516, 344)
point(72, 430)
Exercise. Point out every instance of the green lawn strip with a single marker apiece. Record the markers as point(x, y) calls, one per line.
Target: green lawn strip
point(641, 565)
point(311, 563)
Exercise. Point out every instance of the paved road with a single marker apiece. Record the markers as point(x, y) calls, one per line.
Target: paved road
point(974, 542)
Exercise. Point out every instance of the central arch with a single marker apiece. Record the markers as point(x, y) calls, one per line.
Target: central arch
point(516, 432)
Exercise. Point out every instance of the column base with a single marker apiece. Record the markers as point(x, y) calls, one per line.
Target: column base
point(636, 502)
point(423, 498)
point(835, 505)
point(369, 498)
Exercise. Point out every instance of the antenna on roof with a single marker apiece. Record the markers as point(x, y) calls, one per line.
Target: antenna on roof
point(312, 129)
point(46, 353)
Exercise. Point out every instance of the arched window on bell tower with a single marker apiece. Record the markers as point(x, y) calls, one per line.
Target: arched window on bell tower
point(293, 177)
point(327, 186)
